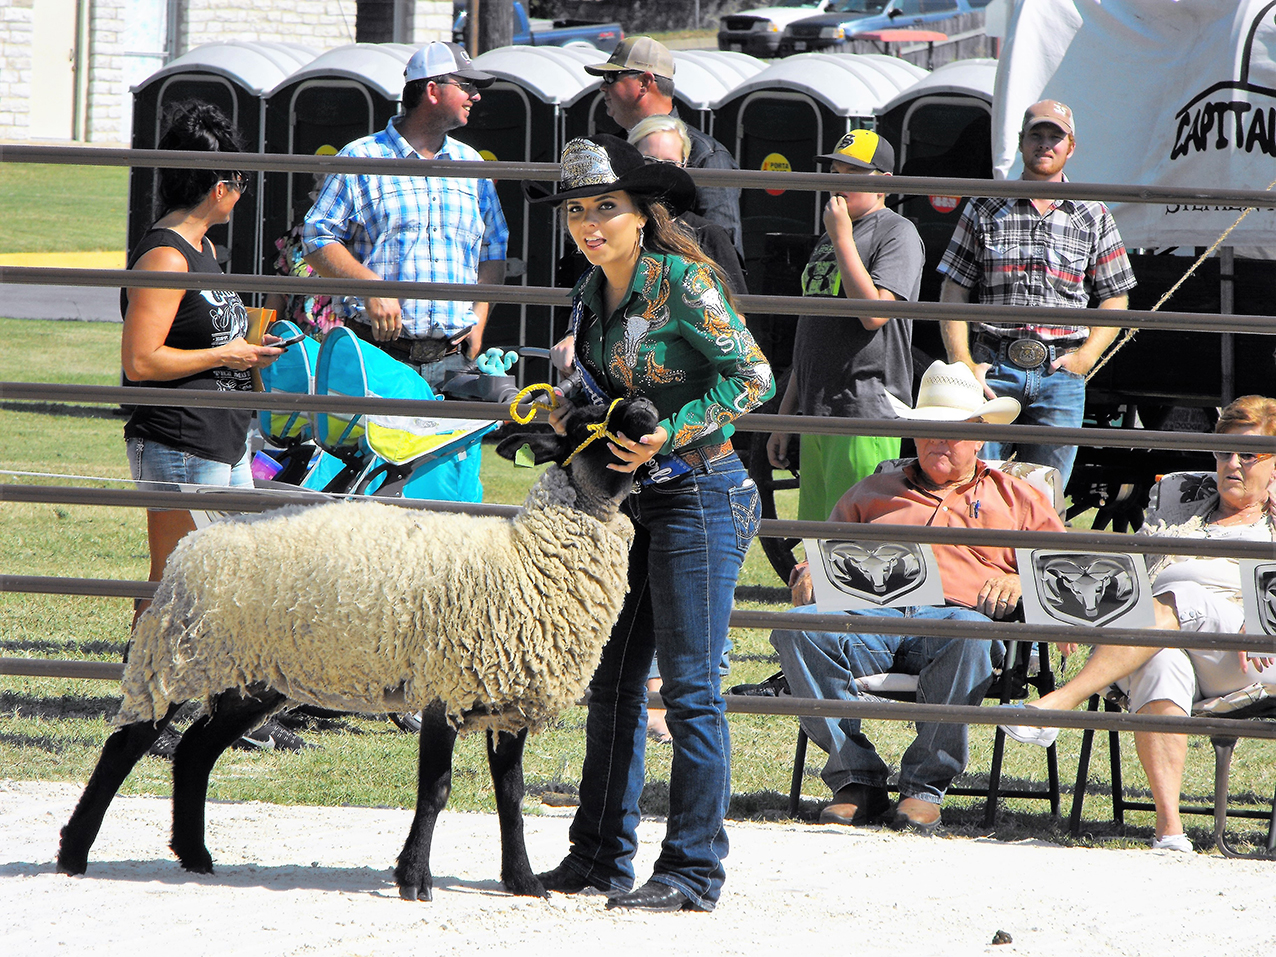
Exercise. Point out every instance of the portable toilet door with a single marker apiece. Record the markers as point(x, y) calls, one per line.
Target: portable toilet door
point(786, 115)
point(941, 127)
point(232, 76)
point(521, 118)
point(340, 96)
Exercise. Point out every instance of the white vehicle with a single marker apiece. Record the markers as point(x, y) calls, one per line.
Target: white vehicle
point(758, 31)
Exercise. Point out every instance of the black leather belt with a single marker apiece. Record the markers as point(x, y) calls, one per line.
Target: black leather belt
point(1027, 352)
point(417, 351)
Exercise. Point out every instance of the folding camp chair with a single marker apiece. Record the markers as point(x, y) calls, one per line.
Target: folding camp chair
point(1021, 670)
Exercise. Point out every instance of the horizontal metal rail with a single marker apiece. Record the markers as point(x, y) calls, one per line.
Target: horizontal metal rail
point(759, 179)
point(554, 296)
point(217, 499)
point(768, 620)
point(801, 707)
point(753, 422)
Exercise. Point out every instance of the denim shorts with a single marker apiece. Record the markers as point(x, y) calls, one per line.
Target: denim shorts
point(157, 467)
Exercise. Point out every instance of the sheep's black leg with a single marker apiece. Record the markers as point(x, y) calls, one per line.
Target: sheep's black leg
point(197, 752)
point(434, 784)
point(120, 753)
point(505, 758)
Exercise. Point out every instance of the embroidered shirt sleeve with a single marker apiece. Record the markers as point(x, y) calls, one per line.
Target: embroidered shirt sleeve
point(711, 327)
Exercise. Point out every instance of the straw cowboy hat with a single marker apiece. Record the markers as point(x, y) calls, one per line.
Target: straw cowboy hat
point(607, 164)
point(951, 393)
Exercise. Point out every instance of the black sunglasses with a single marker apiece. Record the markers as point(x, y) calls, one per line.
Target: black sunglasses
point(615, 75)
point(236, 181)
point(468, 87)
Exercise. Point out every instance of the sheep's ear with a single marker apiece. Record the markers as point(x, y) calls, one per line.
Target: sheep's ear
point(544, 446)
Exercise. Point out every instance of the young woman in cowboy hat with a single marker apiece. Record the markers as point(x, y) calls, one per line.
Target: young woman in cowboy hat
point(650, 317)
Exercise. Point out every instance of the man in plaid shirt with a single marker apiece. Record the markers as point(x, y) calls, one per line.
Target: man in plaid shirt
point(1038, 252)
point(416, 228)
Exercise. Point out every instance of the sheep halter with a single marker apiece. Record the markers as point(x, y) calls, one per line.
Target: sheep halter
point(596, 431)
point(549, 406)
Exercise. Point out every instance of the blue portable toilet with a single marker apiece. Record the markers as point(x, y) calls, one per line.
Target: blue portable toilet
point(233, 76)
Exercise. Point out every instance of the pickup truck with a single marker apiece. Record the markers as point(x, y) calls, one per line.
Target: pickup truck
point(553, 33)
point(831, 31)
point(757, 31)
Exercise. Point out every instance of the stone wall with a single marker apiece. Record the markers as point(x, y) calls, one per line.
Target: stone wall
point(117, 32)
point(15, 68)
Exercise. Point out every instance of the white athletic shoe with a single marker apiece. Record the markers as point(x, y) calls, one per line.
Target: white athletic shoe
point(1042, 737)
point(1173, 842)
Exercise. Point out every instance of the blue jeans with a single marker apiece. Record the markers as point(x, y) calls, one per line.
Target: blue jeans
point(1055, 399)
point(158, 467)
point(691, 535)
point(825, 664)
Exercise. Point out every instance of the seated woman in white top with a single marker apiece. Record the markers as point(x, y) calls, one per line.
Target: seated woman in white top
point(1190, 594)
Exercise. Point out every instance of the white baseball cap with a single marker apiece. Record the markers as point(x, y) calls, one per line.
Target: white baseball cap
point(444, 59)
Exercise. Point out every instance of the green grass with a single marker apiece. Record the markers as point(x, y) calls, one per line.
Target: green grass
point(53, 729)
point(55, 208)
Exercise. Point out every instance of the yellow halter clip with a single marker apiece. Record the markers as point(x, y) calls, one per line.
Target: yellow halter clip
point(596, 431)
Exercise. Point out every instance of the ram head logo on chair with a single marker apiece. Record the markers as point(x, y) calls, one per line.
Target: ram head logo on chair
point(1087, 589)
point(880, 573)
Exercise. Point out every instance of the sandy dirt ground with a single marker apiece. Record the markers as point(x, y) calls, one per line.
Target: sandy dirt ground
point(317, 881)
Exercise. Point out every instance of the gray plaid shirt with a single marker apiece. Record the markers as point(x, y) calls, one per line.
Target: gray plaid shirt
point(1015, 256)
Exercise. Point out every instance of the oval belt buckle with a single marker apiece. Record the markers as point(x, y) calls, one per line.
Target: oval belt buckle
point(1027, 353)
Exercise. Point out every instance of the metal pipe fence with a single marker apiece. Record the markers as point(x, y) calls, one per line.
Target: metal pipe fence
point(776, 305)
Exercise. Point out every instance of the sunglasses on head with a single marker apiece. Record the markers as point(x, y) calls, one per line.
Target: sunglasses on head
point(615, 76)
point(1246, 458)
point(236, 181)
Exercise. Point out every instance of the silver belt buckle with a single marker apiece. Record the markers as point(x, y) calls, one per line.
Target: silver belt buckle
point(1027, 353)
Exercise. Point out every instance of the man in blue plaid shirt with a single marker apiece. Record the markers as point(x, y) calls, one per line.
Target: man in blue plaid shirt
point(416, 228)
point(1036, 252)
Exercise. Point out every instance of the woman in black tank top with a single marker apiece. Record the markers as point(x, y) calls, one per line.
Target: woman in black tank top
point(188, 339)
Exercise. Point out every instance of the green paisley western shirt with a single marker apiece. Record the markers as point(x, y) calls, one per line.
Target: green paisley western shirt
point(677, 341)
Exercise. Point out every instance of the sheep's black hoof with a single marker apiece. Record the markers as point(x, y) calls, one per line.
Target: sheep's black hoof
point(197, 862)
point(411, 892)
point(529, 886)
point(71, 866)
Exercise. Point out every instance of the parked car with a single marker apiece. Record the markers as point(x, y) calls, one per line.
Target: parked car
point(553, 33)
point(758, 31)
point(832, 30)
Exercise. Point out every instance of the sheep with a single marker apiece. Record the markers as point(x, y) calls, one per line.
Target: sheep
point(483, 623)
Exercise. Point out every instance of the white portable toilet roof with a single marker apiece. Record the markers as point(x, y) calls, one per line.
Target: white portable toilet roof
point(848, 84)
point(703, 77)
point(554, 74)
point(258, 67)
point(972, 77)
point(379, 65)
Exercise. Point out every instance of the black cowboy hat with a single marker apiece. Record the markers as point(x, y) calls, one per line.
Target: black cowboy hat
point(607, 164)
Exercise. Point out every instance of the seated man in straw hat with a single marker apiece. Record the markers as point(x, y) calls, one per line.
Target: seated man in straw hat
point(949, 486)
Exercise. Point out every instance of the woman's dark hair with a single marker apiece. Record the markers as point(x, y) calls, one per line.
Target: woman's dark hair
point(200, 128)
point(664, 234)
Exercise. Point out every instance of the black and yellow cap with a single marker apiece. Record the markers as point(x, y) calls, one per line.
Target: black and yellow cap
point(865, 149)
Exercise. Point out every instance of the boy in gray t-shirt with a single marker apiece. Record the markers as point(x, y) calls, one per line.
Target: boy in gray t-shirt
point(844, 365)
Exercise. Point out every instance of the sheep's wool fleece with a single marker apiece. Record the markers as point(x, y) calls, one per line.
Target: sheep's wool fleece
point(343, 603)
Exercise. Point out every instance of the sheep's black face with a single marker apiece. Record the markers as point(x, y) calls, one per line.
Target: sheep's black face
point(632, 418)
